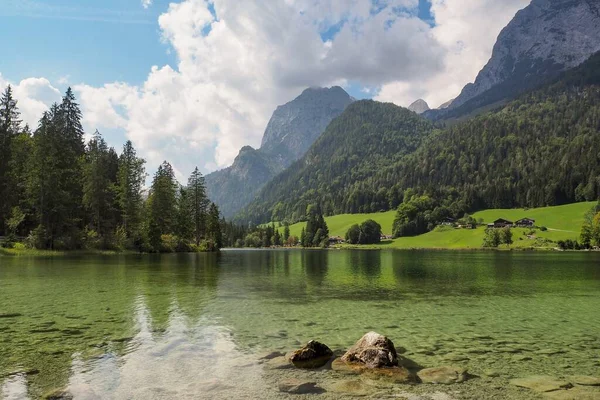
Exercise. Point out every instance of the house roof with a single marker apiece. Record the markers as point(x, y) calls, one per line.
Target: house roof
point(526, 219)
point(502, 220)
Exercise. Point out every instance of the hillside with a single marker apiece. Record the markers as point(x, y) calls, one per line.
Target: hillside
point(338, 170)
point(563, 222)
point(292, 129)
point(539, 150)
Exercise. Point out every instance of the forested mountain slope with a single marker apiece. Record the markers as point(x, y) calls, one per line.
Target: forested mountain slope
point(541, 149)
point(340, 170)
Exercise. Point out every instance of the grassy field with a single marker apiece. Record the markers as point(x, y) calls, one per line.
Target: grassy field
point(563, 222)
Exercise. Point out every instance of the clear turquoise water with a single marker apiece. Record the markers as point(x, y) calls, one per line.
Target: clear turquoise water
point(194, 326)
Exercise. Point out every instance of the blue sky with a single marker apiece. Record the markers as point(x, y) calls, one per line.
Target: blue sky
point(94, 41)
point(89, 41)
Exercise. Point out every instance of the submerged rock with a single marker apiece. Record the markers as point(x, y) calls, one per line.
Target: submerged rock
point(279, 363)
point(10, 315)
point(296, 386)
point(353, 387)
point(57, 394)
point(373, 350)
point(272, 355)
point(313, 355)
point(443, 375)
point(541, 383)
point(586, 380)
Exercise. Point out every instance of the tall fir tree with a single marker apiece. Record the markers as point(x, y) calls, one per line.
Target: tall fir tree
point(214, 226)
point(162, 203)
point(9, 129)
point(199, 203)
point(130, 183)
point(99, 180)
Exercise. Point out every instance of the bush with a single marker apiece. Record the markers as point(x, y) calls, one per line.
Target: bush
point(37, 239)
point(543, 229)
point(353, 234)
point(168, 243)
point(369, 232)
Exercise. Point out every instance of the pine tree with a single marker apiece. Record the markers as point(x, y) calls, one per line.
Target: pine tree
point(131, 177)
point(286, 232)
point(184, 227)
point(9, 129)
point(214, 226)
point(98, 185)
point(199, 203)
point(162, 205)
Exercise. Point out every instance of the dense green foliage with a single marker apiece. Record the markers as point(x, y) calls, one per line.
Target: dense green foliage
point(369, 232)
point(56, 192)
point(538, 150)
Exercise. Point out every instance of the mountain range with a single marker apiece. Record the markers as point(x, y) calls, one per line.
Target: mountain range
point(509, 128)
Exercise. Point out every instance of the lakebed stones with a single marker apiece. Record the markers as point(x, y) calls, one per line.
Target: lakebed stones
point(542, 383)
point(585, 380)
point(373, 350)
point(443, 375)
point(313, 355)
point(296, 386)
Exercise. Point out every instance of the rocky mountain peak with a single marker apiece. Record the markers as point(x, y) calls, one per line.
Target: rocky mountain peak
point(546, 37)
point(419, 106)
point(295, 126)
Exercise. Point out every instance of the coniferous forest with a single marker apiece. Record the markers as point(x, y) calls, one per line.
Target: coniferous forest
point(58, 192)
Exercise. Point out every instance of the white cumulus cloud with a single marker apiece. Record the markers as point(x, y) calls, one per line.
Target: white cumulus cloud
point(238, 60)
point(34, 96)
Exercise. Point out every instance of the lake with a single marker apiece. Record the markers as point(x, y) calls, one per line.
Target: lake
point(195, 325)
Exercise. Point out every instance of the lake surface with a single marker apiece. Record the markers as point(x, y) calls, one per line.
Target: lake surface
point(195, 325)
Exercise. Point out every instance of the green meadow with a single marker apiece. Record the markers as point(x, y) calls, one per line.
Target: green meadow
point(562, 222)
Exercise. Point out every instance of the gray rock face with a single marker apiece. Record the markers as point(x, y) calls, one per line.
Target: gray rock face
point(419, 106)
point(293, 128)
point(546, 37)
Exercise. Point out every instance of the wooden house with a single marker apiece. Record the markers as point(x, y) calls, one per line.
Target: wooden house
point(502, 223)
point(525, 223)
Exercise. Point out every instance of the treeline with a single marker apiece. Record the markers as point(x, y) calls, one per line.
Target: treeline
point(57, 192)
point(538, 150)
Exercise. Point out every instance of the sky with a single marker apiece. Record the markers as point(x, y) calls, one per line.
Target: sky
point(192, 81)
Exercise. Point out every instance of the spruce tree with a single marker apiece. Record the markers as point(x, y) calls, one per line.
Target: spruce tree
point(97, 185)
point(9, 129)
point(162, 205)
point(131, 177)
point(214, 226)
point(199, 204)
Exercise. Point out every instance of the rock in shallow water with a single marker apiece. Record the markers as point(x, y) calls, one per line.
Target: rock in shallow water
point(373, 350)
point(443, 375)
point(586, 380)
point(313, 355)
point(296, 386)
point(393, 374)
point(541, 383)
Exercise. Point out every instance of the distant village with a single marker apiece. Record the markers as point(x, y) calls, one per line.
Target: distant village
point(450, 222)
